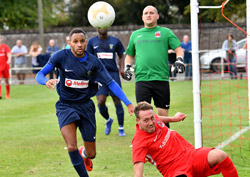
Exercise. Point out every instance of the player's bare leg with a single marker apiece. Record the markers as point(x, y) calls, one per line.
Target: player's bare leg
point(7, 85)
point(120, 115)
point(69, 135)
point(103, 109)
point(225, 164)
point(163, 112)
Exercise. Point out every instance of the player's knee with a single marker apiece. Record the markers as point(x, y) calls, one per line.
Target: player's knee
point(221, 155)
point(216, 156)
point(91, 154)
point(71, 148)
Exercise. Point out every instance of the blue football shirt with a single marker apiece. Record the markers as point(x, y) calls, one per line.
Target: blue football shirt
point(106, 50)
point(78, 77)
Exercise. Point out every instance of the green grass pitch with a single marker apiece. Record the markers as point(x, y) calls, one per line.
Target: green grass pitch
point(32, 145)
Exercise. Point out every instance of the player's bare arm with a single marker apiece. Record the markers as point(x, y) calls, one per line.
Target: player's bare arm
point(9, 58)
point(179, 52)
point(131, 109)
point(121, 65)
point(176, 118)
point(138, 169)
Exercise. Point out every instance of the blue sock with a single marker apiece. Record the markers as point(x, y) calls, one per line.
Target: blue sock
point(120, 114)
point(78, 163)
point(104, 112)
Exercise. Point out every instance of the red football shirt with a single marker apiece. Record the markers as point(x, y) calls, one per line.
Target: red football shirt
point(4, 50)
point(162, 147)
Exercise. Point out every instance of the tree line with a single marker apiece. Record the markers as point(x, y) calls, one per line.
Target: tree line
point(23, 14)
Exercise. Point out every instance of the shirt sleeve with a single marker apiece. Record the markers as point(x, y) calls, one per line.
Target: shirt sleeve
point(40, 76)
point(131, 46)
point(173, 40)
point(139, 151)
point(90, 47)
point(116, 89)
point(120, 49)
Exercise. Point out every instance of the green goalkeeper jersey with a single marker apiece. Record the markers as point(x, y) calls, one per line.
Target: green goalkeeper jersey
point(150, 47)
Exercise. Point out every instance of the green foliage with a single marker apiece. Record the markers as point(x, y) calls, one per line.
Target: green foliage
point(23, 14)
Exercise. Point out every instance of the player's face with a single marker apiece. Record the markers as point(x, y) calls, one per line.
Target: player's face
point(78, 44)
point(146, 121)
point(150, 17)
point(103, 31)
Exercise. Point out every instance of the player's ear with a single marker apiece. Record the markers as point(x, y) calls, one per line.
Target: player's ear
point(137, 119)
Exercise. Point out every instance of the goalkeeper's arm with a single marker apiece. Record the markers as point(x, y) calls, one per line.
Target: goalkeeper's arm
point(128, 67)
point(179, 66)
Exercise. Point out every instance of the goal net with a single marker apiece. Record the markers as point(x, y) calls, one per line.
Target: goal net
point(223, 82)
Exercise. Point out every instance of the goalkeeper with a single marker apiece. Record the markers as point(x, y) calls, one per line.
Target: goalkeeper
point(172, 155)
point(149, 46)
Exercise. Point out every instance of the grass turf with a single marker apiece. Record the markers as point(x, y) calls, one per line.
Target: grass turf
point(32, 145)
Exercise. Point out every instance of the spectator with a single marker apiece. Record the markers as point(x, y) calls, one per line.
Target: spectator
point(230, 46)
point(19, 51)
point(5, 61)
point(187, 47)
point(67, 45)
point(50, 50)
point(35, 50)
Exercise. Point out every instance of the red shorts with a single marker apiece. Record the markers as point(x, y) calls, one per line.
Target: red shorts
point(4, 72)
point(193, 164)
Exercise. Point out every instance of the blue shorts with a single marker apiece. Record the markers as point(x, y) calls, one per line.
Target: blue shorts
point(104, 90)
point(82, 114)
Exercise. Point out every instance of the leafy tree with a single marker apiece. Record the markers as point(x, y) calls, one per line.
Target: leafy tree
point(23, 14)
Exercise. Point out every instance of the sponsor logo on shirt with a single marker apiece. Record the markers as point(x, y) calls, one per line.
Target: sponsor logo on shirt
point(157, 34)
point(95, 47)
point(139, 36)
point(164, 142)
point(76, 83)
point(105, 55)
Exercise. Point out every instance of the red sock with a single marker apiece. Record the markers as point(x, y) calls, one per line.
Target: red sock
point(227, 168)
point(7, 90)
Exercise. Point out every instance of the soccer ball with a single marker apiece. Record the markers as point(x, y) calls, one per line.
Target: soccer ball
point(101, 15)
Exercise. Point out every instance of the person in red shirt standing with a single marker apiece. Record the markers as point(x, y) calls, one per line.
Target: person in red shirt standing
point(5, 61)
point(172, 155)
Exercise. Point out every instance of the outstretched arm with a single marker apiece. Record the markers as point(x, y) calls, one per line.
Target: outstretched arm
point(116, 89)
point(176, 118)
point(138, 169)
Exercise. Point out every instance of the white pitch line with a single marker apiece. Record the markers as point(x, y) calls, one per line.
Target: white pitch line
point(232, 138)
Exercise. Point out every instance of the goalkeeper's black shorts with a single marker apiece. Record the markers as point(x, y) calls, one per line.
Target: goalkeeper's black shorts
point(158, 90)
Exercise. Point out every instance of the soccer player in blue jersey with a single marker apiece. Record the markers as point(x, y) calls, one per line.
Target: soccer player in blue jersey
point(79, 73)
point(106, 47)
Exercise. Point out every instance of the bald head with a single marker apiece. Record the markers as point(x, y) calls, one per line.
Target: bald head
point(185, 39)
point(19, 43)
point(150, 16)
point(52, 42)
point(150, 7)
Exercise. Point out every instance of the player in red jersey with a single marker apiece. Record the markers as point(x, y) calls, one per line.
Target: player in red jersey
point(5, 61)
point(172, 155)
